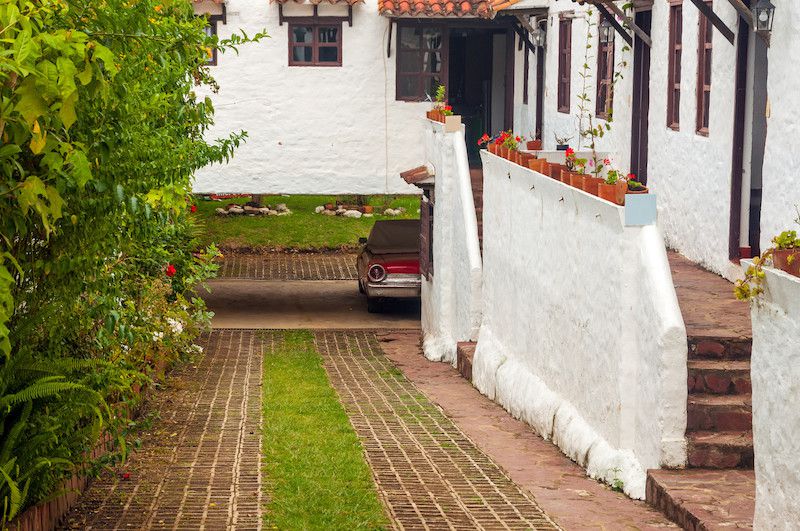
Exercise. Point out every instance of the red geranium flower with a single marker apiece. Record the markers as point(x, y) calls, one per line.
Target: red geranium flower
point(126, 475)
point(193, 209)
point(170, 270)
point(448, 107)
point(570, 152)
point(631, 176)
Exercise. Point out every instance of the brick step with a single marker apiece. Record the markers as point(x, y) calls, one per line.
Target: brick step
point(718, 348)
point(719, 413)
point(465, 351)
point(701, 499)
point(725, 377)
point(720, 449)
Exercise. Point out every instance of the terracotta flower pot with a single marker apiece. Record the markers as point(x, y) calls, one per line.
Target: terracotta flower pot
point(564, 175)
point(502, 151)
point(367, 209)
point(613, 193)
point(534, 145)
point(576, 180)
point(535, 164)
point(525, 159)
point(429, 115)
point(787, 260)
point(492, 147)
point(591, 184)
point(642, 190)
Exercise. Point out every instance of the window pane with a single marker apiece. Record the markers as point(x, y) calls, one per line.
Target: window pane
point(328, 54)
point(301, 54)
point(432, 38)
point(409, 62)
point(302, 34)
point(209, 29)
point(431, 83)
point(408, 86)
point(706, 108)
point(328, 34)
point(410, 38)
point(707, 69)
point(432, 62)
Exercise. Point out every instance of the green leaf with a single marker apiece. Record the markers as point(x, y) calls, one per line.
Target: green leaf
point(67, 111)
point(31, 105)
point(81, 171)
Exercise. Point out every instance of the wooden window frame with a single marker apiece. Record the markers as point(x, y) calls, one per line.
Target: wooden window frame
point(605, 78)
point(525, 79)
point(211, 22)
point(316, 23)
point(705, 50)
point(564, 64)
point(674, 73)
point(420, 94)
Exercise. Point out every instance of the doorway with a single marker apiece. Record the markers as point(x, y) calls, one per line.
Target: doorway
point(480, 75)
point(641, 98)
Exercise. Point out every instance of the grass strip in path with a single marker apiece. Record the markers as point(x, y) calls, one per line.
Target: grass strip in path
point(315, 472)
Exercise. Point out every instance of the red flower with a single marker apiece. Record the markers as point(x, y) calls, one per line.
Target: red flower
point(570, 152)
point(484, 139)
point(606, 161)
point(448, 107)
point(518, 139)
point(126, 475)
point(193, 209)
point(170, 270)
point(631, 176)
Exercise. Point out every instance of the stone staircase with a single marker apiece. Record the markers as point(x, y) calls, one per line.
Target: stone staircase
point(718, 488)
point(465, 352)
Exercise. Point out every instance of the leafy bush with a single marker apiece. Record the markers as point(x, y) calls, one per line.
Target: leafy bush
point(101, 132)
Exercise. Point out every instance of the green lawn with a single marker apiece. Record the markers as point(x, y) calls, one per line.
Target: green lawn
point(302, 230)
point(315, 471)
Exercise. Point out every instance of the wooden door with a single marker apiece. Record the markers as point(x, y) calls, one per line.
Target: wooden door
point(641, 99)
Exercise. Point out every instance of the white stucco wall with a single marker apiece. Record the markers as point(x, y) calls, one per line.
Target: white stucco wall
point(775, 370)
point(451, 300)
point(781, 181)
point(581, 336)
point(329, 130)
point(690, 173)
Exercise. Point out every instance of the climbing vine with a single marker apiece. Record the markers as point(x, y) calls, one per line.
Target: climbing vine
point(102, 128)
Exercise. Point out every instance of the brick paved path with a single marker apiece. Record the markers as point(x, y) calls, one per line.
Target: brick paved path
point(429, 474)
point(200, 465)
point(288, 266)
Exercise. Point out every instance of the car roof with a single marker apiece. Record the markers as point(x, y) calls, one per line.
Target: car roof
point(394, 236)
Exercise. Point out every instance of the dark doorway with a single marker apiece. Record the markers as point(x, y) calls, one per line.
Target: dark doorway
point(641, 98)
point(477, 82)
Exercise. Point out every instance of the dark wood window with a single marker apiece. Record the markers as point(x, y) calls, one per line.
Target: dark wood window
point(211, 30)
point(605, 79)
point(674, 73)
point(704, 49)
point(421, 61)
point(564, 63)
point(315, 43)
point(525, 81)
point(426, 233)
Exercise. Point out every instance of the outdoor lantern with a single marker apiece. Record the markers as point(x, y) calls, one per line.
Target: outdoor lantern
point(539, 37)
point(764, 15)
point(606, 31)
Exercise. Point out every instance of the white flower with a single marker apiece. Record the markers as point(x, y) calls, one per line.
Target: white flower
point(197, 348)
point(175, 324)
point(157, 336)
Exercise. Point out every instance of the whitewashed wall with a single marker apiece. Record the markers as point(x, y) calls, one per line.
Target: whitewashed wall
point(329, 130)
point(775, 368)
point(691, 174)
point(581, 336)
point(451, 301)
point(781, 180)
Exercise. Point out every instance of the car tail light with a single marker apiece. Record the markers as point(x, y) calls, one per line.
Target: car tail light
point(376, 273)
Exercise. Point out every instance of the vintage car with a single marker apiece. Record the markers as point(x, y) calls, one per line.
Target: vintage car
point(388, 264)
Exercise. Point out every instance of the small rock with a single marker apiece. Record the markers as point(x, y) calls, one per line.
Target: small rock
point(236, 210)
point(391, 212)
point(281, 207)
point(272, 212)
point(340, 212)
point(352, 214)
point(368, 215)
point(284, 213)
point(319, 209)
point(402, 210)
point(328, 213)
point(221, 212)
point(263, 211)
point(250, 209)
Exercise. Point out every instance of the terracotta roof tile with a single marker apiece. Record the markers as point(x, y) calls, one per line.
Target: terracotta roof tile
point(416, 175)
point(436, 8)
point(315, 2)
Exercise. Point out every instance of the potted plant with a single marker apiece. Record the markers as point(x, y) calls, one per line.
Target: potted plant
point(613, 188)
point(634, 186)
point(784, 255)
point(562, 143)
point(577, 167)
point(486, 141)
point(534, 145)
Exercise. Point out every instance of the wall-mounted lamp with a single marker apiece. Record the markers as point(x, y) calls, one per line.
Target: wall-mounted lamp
point(764, 14)
point(539, 37)
point(606, 31)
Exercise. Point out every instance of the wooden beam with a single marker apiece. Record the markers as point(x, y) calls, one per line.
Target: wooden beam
point(744, 11)
point(524, 38)
point(712, 17)
point(389, 42)
point(525, 24)
point(617, 26)
point(631, 24)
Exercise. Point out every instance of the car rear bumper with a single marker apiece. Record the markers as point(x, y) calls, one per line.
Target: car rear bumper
point(396, 287)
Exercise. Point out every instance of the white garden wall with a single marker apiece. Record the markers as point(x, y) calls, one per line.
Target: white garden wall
point(781, 180)
point(775, 368)
point(581, 336)
point(451, 300)
point(331, 130)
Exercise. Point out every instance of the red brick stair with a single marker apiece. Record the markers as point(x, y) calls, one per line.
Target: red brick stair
point(465, 352)
point(719, 412)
